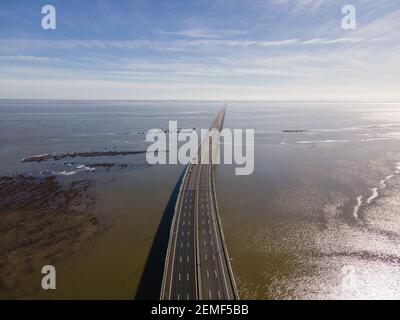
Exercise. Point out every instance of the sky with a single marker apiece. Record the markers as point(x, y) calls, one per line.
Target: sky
point(200, 50)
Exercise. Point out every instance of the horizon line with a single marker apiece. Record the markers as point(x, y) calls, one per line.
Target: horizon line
point(328, 101)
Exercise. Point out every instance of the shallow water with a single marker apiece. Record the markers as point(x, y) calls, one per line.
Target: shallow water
point(317, 219)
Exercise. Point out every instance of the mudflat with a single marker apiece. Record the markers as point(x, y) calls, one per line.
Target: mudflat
point(42, 221)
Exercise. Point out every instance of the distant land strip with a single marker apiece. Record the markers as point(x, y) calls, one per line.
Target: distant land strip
point(89, 154)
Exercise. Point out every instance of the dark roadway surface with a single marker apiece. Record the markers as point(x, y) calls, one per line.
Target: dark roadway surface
point(197, 266)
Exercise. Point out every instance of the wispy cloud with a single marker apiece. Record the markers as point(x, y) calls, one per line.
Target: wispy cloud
point(203, 33)
point(21, 58)
point(19, 44)
point(386, 27)
point(206, 49)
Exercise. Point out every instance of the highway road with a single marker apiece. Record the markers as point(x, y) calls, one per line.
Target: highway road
point(197, 265)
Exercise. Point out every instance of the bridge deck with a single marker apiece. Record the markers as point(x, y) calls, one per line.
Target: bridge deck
point(197, 264)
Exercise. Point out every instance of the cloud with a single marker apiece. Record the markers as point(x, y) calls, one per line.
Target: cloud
point(101, 89)
point(203, 33)
point(19, 44)
point(294, 7)
point(288, 48)
point(386, 27)
point(309, 4)
point(321, 41)
point(22, 58)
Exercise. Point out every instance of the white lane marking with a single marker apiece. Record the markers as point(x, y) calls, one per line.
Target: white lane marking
point(215, 272)
point(188, 244)
point(187, 259)
point(208, 274)
point(180, 259)
point(204, 242)
point(187, 276)
point(220, 255)
point(174, 248)
point(188, 232)
point(211, 243)
point(181, 244)
point(187, 297)
point(206, 256)
point(219, 294)
point(179, 296)
point(179, 278)
point(204, 231)
point(209, 292)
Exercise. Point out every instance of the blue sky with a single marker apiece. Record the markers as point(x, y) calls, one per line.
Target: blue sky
point(200, 49)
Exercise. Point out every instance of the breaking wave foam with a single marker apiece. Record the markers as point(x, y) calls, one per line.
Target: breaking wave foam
point(321, 141)
point(375, 192)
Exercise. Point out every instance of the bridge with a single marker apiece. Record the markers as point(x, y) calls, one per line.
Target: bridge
point(197, 265)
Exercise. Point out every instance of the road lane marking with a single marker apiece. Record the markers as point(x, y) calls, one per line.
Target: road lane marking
point(193, 178)
point(220, 255)
point(209, 292)
point(179, 277)
point(187, 259)
point(187, 276)
point(219, 294)
point(215, 272)
point(180, 259)
point(208, 274)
